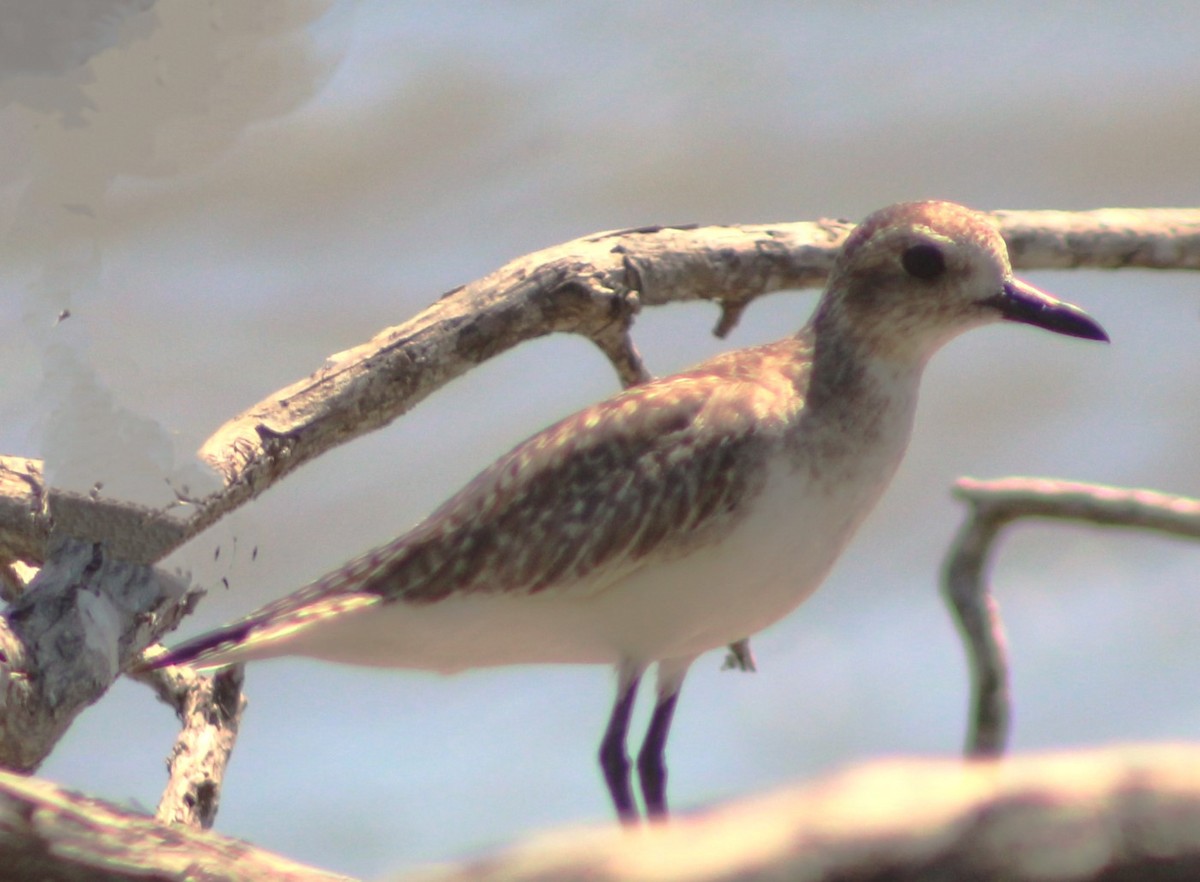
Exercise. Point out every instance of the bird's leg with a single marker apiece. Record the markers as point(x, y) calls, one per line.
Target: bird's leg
point(614, 761)
point(652, 767)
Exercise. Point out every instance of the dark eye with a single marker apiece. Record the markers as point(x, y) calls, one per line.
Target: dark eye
point(924, 262)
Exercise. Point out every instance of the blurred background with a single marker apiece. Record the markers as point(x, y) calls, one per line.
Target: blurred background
point(223, 194)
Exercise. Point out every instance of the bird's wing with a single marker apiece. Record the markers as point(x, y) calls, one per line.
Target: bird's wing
point(644, 475)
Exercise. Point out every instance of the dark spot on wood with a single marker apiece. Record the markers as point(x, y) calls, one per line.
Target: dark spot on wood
point(206, 798)
point(227, 694)
point(93, 566)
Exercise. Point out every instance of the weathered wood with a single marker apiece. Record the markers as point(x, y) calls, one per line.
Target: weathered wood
point(994, 505)
point(210, 709)
point(50, 834)
point(1112, 815)
point(1118, 815)
point(81, 621)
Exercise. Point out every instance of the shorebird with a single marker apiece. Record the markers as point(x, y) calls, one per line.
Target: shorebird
point(676, 516)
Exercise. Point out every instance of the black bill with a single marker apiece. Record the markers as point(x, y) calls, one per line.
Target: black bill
point(1021, 302)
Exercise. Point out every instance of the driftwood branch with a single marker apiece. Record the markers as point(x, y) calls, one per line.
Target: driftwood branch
point(992, 506)
point(31, 514)
point(1116, 815)
point(210, 709)
point(593, 286)
point(82, 620)
point(1110, 238)
point(47, 833)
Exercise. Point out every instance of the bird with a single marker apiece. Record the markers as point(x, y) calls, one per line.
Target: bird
point(679, 515)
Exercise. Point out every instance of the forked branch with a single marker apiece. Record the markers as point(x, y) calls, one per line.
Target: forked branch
point(992, 506)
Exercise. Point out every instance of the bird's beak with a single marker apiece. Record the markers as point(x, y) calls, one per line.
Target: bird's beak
point(1021, 302)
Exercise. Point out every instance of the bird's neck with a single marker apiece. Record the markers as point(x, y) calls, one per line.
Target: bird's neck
point(858, 406)
point(850, 374)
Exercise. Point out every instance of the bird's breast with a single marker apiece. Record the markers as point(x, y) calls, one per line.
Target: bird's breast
point(771, 560)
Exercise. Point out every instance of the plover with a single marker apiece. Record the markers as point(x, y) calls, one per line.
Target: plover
point(676, 516)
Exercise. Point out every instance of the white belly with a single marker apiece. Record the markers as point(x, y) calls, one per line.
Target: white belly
point(774, 559)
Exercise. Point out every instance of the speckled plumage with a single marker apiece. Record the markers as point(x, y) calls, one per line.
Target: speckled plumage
point(679, 515)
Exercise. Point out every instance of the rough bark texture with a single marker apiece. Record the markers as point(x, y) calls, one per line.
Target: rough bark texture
point(53, 835)
point(210, 709)
point(31, 512)
point(78, 625)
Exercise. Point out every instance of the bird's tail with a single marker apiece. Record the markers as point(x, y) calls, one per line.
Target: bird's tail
point(272, 631)
point(210, 650)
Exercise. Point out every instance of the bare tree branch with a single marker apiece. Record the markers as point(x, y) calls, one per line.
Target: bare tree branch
point(1116, 815)
point(30, 512)
point(1108, 238)
point(83, 619)
point(992, 506)
point(47, 833)
point(210, 709)
point(593, 286)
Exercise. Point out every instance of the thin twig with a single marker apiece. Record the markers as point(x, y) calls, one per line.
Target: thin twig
point(210, 709)
point(740, 657)
point(993, 505)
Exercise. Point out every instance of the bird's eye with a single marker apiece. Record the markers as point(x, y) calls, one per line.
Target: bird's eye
point(924, 262)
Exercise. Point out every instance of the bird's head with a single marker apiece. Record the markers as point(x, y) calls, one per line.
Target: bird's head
point(914, 275)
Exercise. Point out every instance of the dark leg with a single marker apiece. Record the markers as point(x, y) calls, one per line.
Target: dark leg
point(614, 761)
point(652, 766)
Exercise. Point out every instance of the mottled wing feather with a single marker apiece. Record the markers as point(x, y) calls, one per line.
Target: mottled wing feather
point(575, 507)
point(646, 474)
